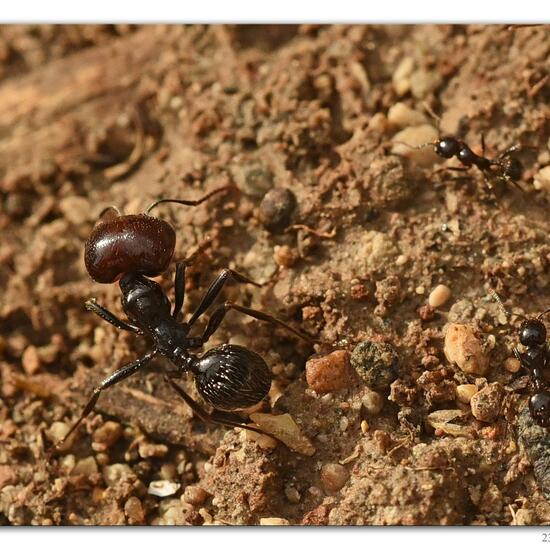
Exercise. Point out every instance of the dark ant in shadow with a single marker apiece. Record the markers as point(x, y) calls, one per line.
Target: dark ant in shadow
point(505, 167)
point(132, 248)
point(535, 360)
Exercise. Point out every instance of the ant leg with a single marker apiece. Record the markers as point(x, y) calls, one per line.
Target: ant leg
point(482, 144)
point(216, 417)
point(106, 315)
point(179, 278)
point(214, 290)
point(195, 202)
point(112, 379)
point(219, 314)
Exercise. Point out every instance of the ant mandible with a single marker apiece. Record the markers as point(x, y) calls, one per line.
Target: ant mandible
point(505, 167)
point(132, 248)
point(535, 360)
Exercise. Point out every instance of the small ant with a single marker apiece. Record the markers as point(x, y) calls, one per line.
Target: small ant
point(130, 249)
point(504, 168)
point(535, 359)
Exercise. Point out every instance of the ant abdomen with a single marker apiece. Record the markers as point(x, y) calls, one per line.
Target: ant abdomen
point(135, 243)
point(232, 377)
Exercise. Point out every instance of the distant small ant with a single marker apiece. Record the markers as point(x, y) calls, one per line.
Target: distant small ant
point(504, 168)
point(130, 249)
point(535, 359)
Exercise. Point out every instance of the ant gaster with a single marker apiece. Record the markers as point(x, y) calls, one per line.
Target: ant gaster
point(535, 360)
point(505, 167)
point(132, 248)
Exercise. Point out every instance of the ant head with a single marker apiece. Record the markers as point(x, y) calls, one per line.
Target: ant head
point(447, 147)
point(532, 332)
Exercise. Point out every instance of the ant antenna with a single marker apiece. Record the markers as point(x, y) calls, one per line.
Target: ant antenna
point(433, 115)
point(543, 314)
point(188, 202)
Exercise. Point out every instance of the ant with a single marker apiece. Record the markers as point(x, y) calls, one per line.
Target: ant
point(132, 248)
point(535, 359)
point(505, 167)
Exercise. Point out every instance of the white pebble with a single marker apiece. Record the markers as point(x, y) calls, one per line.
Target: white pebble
point(541, 179)
point(413, 136)
point(163, 488)
point(401, 76)
point(402, 115)
point(439, 295)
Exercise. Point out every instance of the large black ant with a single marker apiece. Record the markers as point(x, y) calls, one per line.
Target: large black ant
point(535, 360)
point(132, 248)
point(504, 168)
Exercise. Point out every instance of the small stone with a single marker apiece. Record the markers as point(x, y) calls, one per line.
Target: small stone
point(57, 431)
point(253, 180)
point(134, 511)
point(330, 372)
point(85, 466)
point(113, 474)
point(107, 435)
point(487, 403)
point(541, 179)
point(402, 115)
point(284, 256)
point(511, 364)
point(405, 141)
point(401, 76)
point(376, 363)
point(147, 449)
point(464, 392)
point(334, 477)
point(194, 495)
point(423, 82)
point(292, 494)
point(439, 295)
point(372, 401)
point(463, 347)
point(264, 441)
point(31, 360)
point(276, 208)
point(274, 521)
point(364, 426)
point(163, 488)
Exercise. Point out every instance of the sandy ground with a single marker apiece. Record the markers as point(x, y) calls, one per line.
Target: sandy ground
point(120, 115)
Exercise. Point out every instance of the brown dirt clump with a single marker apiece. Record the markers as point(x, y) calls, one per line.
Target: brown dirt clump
point(348, 239)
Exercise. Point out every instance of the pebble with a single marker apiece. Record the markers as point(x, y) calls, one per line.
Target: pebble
point(274, 521)
point(194, 495)
point(292, 494)
point(463, 347)
point(372, 401)
point(85, 466)
point(134, 510)
point(276, 208)
point(541, 180)
point(107, 435)
point(439, 296)
point(414, 136)
point(113, 474)
point(401, 115)
point(401, 77)
point(511, 364)
point(486, 404)
point(57, 431)
point(464, 392)
point(424, 82)
point(163, 488)
point(264, 441)
point(147, 449)
point(364, 426)
point(253, 180)
point(330, 372)
point(334, 477)
point(30, 360)
point(375, 362)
